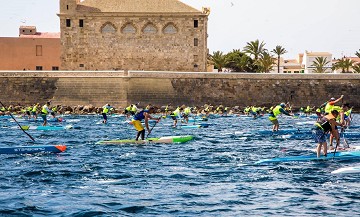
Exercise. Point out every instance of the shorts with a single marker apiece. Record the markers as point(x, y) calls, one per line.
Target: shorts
point(104, 116)
point(319, 135)
point(274, 120)
point(43, 117)
point(33, 113)
point(138, 125)
point(28, 113)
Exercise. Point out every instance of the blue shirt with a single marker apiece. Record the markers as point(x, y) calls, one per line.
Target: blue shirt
point(140, 116)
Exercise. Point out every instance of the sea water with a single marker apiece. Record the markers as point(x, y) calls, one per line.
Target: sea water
point(213, 175)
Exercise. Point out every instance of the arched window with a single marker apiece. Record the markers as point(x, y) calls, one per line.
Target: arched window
point(170, 29)
point(150, 29)
point(128, 29)
point(108, 28)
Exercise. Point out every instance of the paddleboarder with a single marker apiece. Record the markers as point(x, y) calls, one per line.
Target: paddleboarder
point(106, 109)
point(279, 109)
point(44, 111)
point(324, 126)
point(143, 115)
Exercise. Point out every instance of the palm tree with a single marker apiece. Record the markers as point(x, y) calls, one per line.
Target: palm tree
point(356, 68)
point(254, 48)
point(319, 64)
point(238, 61)
point(358, 53)
point(218, 59)
point(279, 51)
point(265, 62)
point(344, 64)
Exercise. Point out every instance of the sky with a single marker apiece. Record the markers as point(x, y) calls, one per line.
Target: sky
point(313, 25)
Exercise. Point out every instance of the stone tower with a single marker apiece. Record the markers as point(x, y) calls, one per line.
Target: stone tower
point(154, 35)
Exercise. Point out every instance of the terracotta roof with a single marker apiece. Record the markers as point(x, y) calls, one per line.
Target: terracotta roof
point(42, 35)
point(136, 6)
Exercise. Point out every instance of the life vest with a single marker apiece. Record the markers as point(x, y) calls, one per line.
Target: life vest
point(276, 111)
point(176, 112)
point(140, 115)
point(44, 110)
point(187, 110)
point(329, 108)
point(105, 109)
point(34, 108)
point(324, 123)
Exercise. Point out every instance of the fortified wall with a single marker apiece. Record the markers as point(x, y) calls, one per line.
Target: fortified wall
point(121, 88)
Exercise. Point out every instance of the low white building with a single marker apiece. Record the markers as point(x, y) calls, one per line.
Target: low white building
point(309, 59)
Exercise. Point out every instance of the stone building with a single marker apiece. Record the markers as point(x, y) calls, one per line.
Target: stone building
point(153, 35)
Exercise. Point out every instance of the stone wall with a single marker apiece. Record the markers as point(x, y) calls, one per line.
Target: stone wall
point(160, 88)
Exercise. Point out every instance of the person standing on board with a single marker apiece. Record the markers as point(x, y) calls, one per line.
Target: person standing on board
point(186, 114)
point(175, 115)
point(45, 111)
point(34, 111)
point(143, 115)
point(279, 109)
point(325, 125)
point(106, 109)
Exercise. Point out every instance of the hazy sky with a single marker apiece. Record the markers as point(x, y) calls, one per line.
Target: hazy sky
point(313, 25)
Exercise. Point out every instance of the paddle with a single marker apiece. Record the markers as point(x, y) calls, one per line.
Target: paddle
point(152, 128)
point(346, 145)
point(19, 124)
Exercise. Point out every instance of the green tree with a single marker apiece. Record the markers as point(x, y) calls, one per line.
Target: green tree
point(218, 59)
point(265, 62)
point(358, 53)
point(356, 68)
point(254, 48)
point(344, 64)
point(238, 61)
point(279, 51)
point(319, 64)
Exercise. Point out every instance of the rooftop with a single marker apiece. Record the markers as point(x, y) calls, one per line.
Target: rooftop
point(42, 35)
point(136, 6)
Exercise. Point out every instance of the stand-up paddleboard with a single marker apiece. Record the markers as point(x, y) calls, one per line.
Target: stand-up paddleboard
point(283, 131)
point(310, 136)
point(166, 139)
point(192, 126)
point(33, 149)
point(338, 155)
point(340, 149)
point(344, 170)
point(48, 128)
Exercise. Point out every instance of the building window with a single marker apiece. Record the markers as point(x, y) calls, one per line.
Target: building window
point(196, 58)
point(150, 29)
point(170, 29)
point(196, 67)
point(38, 68)
point(196, 23)
point(108, 28)
point(128, 29)
point(296, 71)
point(67, 7)
point(55, 68)
point(81, 65)
point(38, 50)
point(68, 23)
point(196, 42)
point(30, 30)
point(81, 23)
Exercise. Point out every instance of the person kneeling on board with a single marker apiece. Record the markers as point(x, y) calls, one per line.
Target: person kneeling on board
point(143, 115)
point(279, 109)
point(325, 125)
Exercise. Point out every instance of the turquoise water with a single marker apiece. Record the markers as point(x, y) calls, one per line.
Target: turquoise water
point(213, 175)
